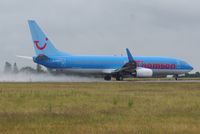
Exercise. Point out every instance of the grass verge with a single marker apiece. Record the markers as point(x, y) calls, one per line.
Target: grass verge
point(104, 108)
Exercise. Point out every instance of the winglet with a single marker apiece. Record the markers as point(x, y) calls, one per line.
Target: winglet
point(130, 57)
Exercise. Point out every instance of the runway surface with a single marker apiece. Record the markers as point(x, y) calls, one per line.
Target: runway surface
point(166, 81)
point(63, 78)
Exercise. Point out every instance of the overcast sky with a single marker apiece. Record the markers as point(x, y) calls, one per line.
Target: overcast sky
point(103, 27)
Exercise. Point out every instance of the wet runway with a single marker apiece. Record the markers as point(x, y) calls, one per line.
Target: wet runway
point(166, 81)
point(160, 80)
point(63, 78)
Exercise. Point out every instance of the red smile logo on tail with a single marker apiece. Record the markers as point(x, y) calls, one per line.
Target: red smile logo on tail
point(40, 47)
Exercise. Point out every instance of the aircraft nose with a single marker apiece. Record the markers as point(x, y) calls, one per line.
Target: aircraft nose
point(191, 68)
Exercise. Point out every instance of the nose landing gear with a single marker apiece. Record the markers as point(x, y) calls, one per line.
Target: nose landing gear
point(176, 77)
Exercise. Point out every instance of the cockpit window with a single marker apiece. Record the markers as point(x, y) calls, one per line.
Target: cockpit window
point(183, 62)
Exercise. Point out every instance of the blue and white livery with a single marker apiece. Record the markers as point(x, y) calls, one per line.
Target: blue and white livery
point(108, 66)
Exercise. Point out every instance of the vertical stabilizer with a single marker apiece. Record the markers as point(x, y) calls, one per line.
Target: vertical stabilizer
point(42, 44)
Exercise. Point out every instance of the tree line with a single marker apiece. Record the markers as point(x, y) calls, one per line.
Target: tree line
point(13, 68)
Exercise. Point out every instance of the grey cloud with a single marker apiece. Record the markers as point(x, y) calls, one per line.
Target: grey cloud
point(153, 27)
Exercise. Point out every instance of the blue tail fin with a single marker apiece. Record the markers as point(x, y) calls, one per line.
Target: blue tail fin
point(42, 44)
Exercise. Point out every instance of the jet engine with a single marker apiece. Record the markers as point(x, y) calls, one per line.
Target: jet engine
point(144, 72)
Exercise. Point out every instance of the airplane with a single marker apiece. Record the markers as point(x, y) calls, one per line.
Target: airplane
point(118, 67)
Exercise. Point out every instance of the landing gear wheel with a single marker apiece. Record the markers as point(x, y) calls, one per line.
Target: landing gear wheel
point(107, 77)
point(119, 78)
point(176, 77)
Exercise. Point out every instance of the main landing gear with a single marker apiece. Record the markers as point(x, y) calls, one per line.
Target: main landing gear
point(119, 77)
point(107, 77)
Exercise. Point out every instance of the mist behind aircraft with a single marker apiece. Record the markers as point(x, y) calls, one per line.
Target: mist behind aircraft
point(46, 77)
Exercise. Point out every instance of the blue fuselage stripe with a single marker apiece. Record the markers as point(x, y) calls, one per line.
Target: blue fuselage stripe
point(113, 62)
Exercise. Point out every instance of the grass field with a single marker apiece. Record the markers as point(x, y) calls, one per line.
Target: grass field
point(100, 108)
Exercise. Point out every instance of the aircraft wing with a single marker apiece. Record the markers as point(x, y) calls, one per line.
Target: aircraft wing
point(129, 67)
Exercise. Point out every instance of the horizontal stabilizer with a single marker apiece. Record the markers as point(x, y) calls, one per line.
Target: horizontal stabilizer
point(25, 57)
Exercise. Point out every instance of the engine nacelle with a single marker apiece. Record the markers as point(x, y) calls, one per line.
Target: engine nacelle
point(144, 72)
